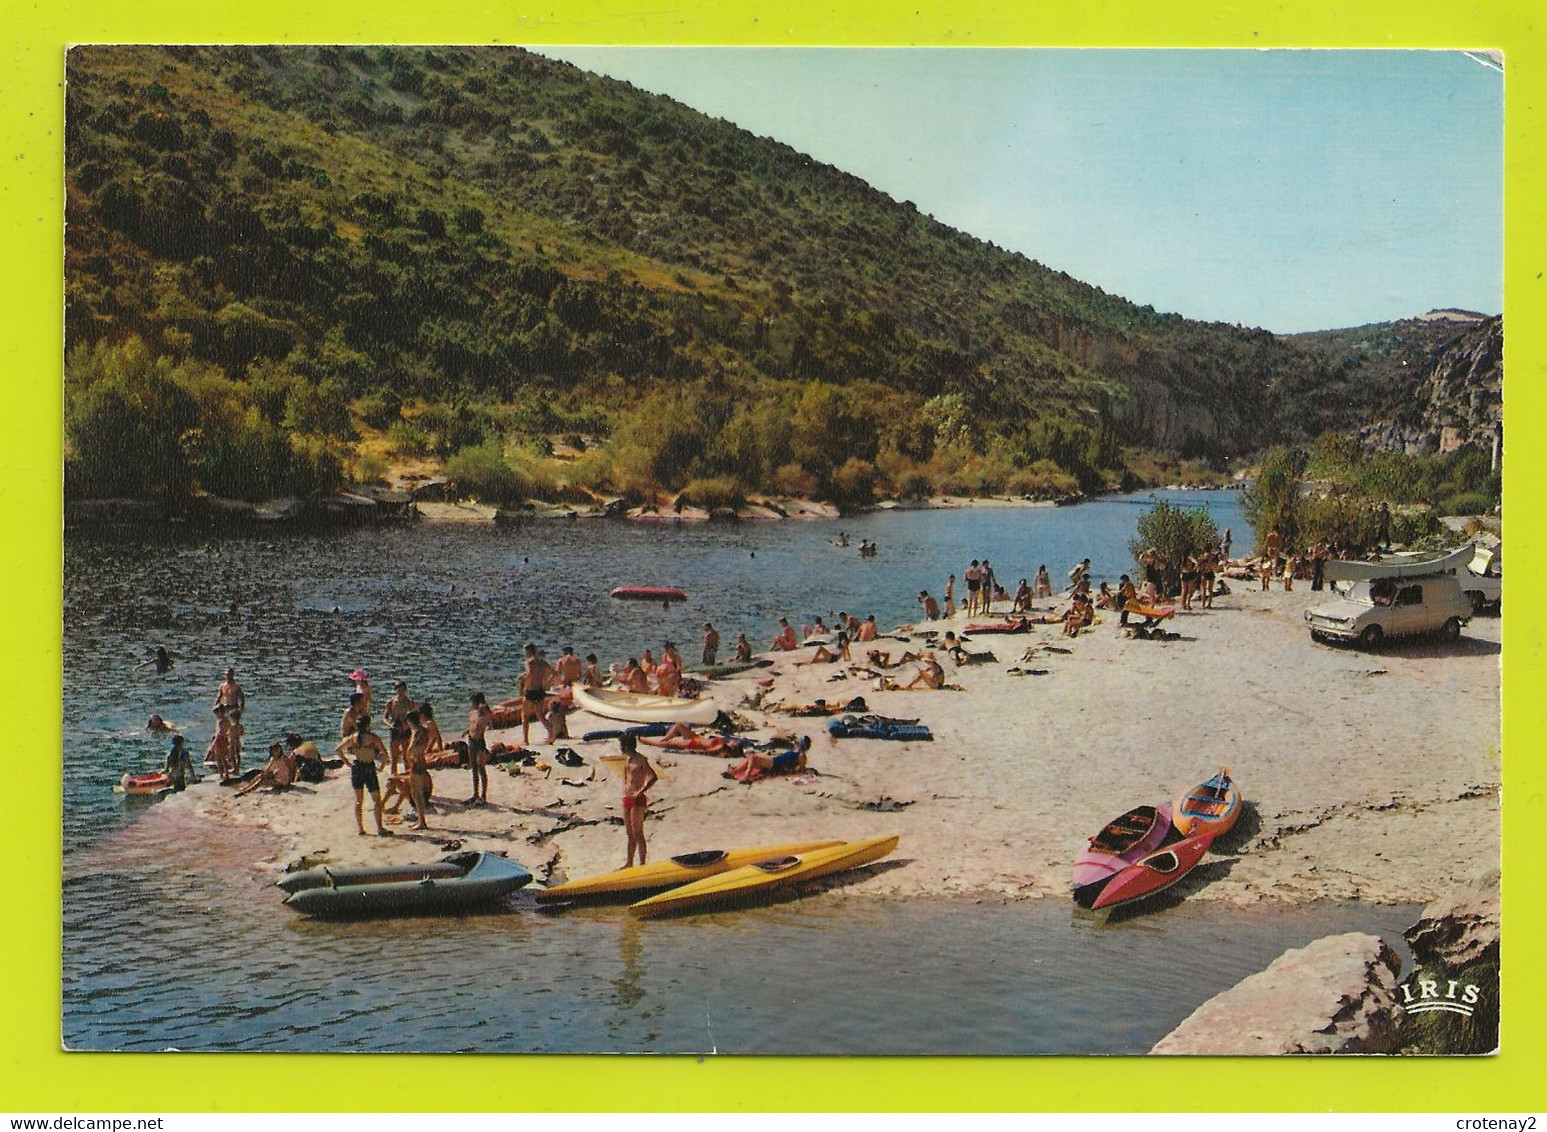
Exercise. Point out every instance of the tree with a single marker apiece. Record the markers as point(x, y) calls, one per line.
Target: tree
point(1273, 502)
point(1174, 532)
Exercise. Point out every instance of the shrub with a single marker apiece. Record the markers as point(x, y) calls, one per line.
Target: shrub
point(483, 473)
point(1175, 533)
point(380, 409)
point(712, 492)
point(407, 439)
point(1273, 502)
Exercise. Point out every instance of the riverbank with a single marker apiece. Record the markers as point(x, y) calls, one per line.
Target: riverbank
point(1369, 776)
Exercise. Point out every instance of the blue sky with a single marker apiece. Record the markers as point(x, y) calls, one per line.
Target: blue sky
point(1293, 190)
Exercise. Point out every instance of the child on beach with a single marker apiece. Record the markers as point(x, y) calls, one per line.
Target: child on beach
point(479, 716)
point(638, 776)
point(179, 765)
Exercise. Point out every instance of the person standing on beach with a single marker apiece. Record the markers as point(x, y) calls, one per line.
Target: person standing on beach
point(479, 716)
point(362, 685)
point(987, 584)
point(230, 694)
point(219, 745)
point(364, 754)
point(568, 670)
point(1043, 583)
point(355, 712)
point(948, 599)
point(395, 716)
point(420, 784)
point(234, 733)
point(973, 576)
point(1319, 557)
point(535, 682)
point(638, 777)
point(711, 644)
point(179, 766)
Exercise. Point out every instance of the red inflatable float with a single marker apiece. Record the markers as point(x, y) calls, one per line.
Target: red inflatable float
point(649, 593)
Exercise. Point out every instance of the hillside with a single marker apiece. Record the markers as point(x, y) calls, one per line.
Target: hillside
point(284, 263)
point(1374, 372)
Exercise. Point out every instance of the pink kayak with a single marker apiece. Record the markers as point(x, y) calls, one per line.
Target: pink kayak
point(1158, 871)
point(649, 593)
point(1120, 843)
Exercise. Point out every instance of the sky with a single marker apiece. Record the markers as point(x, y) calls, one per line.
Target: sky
point(1290, 190)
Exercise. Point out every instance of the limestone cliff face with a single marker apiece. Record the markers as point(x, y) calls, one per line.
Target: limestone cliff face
point(1463, 398)
point(1459, 401)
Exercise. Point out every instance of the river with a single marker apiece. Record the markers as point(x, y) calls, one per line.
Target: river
point(448, 608)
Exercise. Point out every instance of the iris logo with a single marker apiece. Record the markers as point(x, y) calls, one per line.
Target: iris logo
point(1430, 998)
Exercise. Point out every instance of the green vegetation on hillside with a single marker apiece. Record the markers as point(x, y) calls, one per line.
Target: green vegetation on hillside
point(348, 255)
point(1334, 491)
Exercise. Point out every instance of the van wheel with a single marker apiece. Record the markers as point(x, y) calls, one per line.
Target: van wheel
point(1451, 629)
point(1372, 637)
point(1478, 602)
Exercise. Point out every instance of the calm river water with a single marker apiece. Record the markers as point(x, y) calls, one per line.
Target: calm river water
point(449, 608)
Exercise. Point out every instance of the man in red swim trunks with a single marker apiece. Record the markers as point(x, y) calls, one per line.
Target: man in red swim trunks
point(638, 776)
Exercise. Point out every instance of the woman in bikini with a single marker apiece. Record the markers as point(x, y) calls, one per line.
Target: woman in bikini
point(638, 776)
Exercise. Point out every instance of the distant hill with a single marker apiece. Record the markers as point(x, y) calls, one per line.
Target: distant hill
point(433, 251)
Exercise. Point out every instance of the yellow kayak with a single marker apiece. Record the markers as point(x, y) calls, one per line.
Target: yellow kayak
point(765, 875)
point(675, 870)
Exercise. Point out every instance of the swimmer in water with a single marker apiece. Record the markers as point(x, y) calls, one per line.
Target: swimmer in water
point(161, 659)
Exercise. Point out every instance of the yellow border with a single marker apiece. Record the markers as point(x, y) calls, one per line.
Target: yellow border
point(35, 1075)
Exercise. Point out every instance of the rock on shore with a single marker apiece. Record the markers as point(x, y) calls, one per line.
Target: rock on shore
point(1336, 995)
point(1460, 928)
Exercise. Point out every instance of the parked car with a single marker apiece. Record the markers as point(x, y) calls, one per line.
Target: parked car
point(1483, 581)
point(1370, 611)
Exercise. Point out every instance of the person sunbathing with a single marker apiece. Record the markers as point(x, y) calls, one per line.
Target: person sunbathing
point(758, 763)
point(277, 775)
point(931, 675)
point(884, 659)
point(681, 737)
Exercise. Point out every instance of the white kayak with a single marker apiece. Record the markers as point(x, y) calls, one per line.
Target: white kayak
point(1400, 566)
point(645, 707)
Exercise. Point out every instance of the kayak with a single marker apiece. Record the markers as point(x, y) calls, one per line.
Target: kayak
point(649, 593)
point(153, 783)
point(1160, 870)
point(721, 671)
point(682, 869)
point(475, 878)
point(645, 707)
point(768, 875)
point(1121, 842)
point(1415, 565)
point(1209, 807)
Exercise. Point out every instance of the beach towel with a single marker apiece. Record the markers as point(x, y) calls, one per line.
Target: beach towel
point(878, 727)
